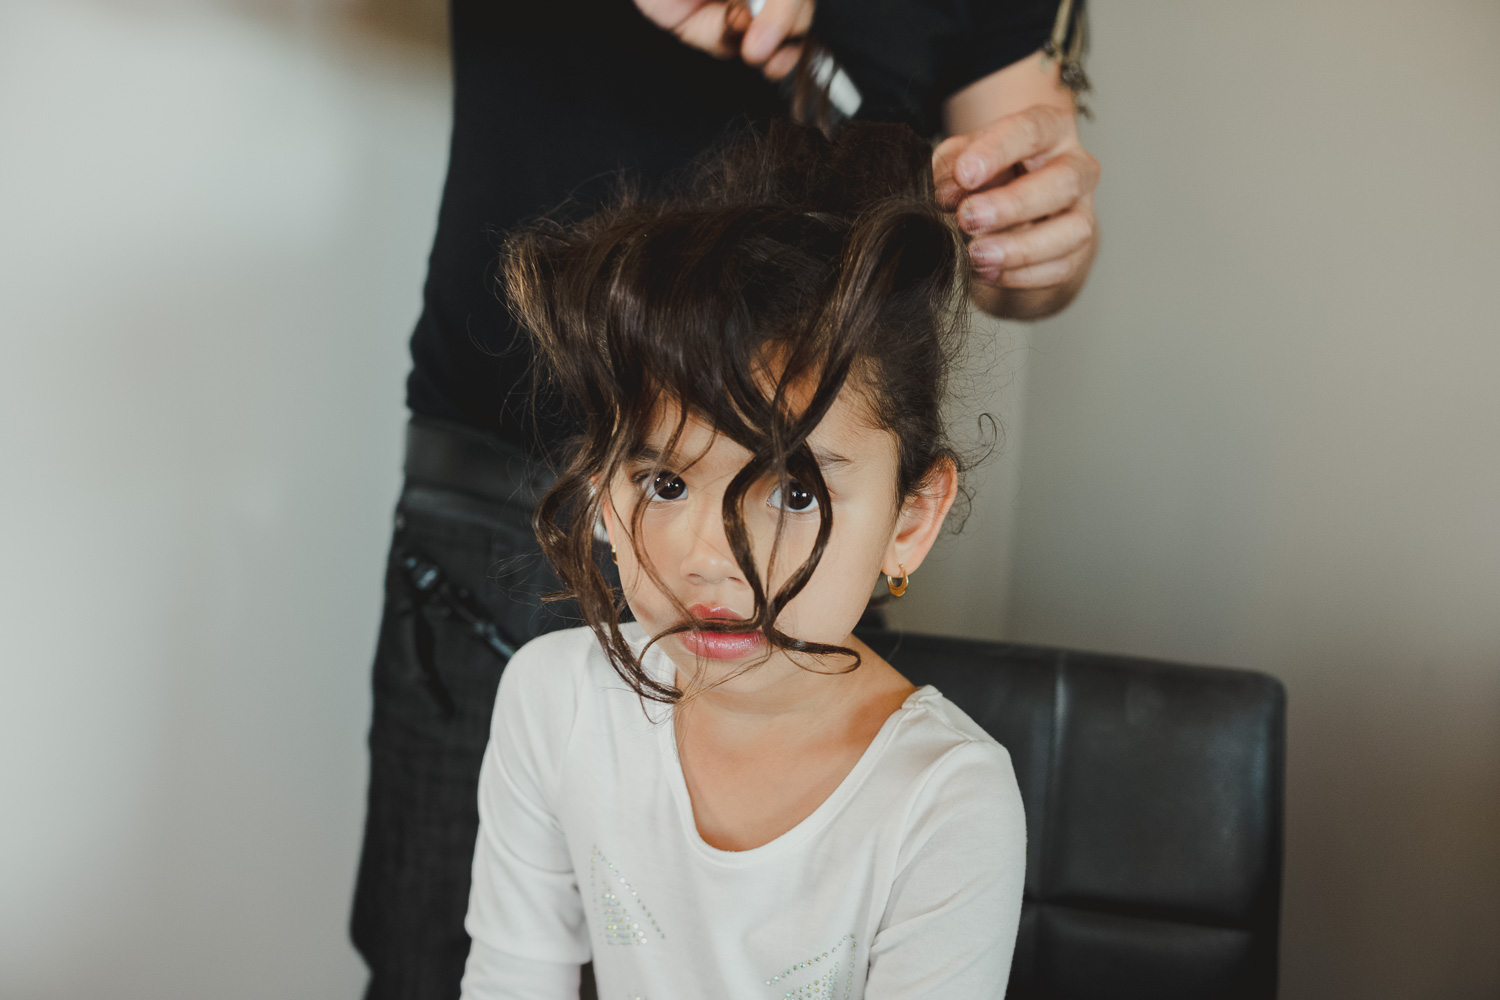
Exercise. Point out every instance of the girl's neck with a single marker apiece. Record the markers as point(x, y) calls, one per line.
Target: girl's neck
point(758, 763)
point(779, 695)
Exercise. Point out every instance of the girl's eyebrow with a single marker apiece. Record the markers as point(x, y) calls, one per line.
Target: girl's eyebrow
point(646, 453)
point(825, 459)
point(653, 455)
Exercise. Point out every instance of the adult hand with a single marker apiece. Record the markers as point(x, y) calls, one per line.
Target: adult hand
point(1023, 190)
point(770, 41)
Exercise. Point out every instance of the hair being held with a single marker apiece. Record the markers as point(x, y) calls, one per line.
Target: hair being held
point(794, 266)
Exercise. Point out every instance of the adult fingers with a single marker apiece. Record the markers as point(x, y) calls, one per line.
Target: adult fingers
point(783, 62)
point(949, 191)
point(1045, 241)
point(738, 17)
point(1054, 187)
point(1049, 274)
point(704, 29)
point(668, 14)
point(777, 21)
point(1007, 141)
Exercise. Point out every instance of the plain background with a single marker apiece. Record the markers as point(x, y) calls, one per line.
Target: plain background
point(1265, 436)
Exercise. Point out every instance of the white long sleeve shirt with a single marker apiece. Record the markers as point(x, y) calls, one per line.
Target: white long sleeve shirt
point(905, 883)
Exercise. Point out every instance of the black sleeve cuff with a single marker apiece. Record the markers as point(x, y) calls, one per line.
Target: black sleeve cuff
point(908, 56)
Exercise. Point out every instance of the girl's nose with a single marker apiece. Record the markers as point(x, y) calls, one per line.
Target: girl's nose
point(708, 558)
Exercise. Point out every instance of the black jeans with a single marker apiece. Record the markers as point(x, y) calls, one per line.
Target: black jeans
point(463, 586)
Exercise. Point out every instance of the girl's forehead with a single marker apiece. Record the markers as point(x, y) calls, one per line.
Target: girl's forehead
point(844, 436)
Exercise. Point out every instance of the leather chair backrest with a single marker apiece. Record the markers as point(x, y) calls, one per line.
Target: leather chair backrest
point(1153, 796)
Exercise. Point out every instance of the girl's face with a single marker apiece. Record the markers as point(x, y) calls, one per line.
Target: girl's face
point(681, 532)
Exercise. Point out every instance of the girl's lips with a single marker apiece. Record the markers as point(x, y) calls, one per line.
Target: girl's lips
point(714, 611)
point(716, 645)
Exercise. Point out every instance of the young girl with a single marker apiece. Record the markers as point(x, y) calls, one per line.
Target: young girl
point(732, 796)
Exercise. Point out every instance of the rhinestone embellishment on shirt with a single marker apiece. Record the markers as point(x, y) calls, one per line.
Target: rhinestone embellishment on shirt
point(825, 967)
point(623, 917)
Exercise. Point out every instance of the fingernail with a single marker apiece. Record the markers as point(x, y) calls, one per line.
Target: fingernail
point(968, 172)
point(975, 217)
point(753, 45)
point(986, 256)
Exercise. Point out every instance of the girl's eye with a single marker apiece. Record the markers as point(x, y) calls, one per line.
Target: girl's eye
point(795, 498)
point(666, 486)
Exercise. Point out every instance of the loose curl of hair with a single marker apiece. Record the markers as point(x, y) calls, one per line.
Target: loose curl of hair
point(790, 259)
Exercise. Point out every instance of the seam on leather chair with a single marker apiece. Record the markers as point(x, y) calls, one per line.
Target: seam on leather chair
point(1268, 914)
point(1053, 771)
point(1150, 914)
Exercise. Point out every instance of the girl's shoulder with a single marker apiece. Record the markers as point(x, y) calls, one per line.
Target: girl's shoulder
point(545, 676)
point(576, 641)
point(551, 691)
point(951, 763)
point(550, 654)
point(939, 729)
point(561, 665)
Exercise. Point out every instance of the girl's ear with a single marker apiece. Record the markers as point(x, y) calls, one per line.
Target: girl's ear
point(921, 520)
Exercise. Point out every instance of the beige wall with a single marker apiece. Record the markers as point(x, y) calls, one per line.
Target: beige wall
point(964, 586)
point(215, 227)
point(1265, 436)
point(1268, 435)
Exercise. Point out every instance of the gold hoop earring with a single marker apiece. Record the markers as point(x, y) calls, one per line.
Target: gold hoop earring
point(614, 556)
point(897, 589)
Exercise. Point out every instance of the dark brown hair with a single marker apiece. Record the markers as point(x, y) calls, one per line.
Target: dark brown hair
point(790, 258)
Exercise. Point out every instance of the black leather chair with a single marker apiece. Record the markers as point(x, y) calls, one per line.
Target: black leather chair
point(1153, 797)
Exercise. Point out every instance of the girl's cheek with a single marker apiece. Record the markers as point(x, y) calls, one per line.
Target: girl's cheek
point(797, 540)
point(654, 540)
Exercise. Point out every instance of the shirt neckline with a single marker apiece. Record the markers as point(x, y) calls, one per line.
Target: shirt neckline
point(660, 667)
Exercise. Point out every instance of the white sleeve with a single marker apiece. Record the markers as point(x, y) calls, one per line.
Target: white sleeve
point(526, 917)
point(949, 928)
